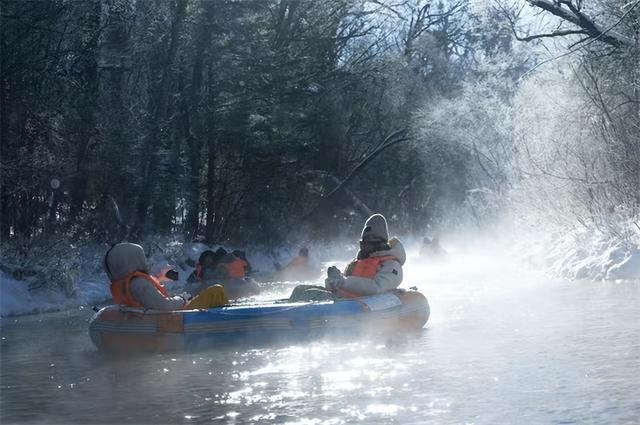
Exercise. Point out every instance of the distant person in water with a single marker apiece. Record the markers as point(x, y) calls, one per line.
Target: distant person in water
point(431, 248)
point(376, 269)
point(133, 286)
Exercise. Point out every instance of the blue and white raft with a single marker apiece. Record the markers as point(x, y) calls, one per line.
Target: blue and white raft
point(119, 328)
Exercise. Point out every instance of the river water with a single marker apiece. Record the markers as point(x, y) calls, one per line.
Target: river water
point(501, 347)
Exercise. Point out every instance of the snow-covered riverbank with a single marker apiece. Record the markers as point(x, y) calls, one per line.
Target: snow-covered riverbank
point(586, 255)
point(17, 298)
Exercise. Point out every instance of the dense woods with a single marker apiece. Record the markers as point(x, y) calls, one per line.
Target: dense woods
point(253, 121)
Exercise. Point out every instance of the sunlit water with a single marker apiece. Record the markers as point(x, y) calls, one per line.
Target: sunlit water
point(502, 346)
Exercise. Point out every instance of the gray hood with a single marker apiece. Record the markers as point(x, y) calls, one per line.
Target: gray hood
point(123, 259)
point(397, 250)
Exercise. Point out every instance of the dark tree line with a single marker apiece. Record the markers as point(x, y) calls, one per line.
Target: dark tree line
point(228, 120)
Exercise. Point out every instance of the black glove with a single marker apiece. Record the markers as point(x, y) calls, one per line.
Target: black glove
point(333, 273)
point(172, 274)
point(334, 279)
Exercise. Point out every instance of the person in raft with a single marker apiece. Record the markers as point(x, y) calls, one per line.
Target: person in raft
point(232, 271)
point(133, 286)
point(206, 266)
point(233, 265)
point(431, 248)
point(376, 269)
point(301, 261)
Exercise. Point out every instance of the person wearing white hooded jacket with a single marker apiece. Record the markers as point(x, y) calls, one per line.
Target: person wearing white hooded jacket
point(377, 267)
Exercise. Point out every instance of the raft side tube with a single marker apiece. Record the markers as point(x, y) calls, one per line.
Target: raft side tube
point(118, 328)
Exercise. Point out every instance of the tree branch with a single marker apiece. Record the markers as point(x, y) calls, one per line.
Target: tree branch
point(576, 17)
point(559, 33)
point(388, 142)
point(394, 138)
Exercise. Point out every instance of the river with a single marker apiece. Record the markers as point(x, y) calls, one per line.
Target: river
point(501, 347)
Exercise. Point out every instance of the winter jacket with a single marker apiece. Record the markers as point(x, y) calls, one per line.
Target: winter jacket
point(126, 258)
point(388, 277)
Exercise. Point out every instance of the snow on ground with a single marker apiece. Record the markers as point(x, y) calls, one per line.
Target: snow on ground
point(583, 254)
point(16, 297)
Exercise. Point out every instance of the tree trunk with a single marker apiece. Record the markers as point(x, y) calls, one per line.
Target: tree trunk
point(112, 69)
point(86, 109)
point(159, 105)
point(211, 192)
point(193, 123)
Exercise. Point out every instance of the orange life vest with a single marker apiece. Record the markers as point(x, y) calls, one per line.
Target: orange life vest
point(236, 269)
point(367, 267)
point(121, 289)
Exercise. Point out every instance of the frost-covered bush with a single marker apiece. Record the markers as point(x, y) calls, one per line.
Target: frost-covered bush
point(475, 128)
point(571, 186)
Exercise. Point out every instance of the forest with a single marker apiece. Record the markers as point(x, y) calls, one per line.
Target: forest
point(258, 121)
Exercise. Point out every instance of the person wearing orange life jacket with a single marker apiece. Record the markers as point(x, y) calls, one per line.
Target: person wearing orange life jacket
point(233, 266)
point(133, 286)
point(232, 271)
point(377, 267)
point(204, 273)
point(206, 266)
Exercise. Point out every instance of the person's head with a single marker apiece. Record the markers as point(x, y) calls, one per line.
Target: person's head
point(239, 254)
point(123, 259)
point(220, 252)
point(207, 258)
point(304, 252)
point(375, 235)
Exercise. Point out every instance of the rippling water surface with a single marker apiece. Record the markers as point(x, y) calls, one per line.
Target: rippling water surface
point(501, 347)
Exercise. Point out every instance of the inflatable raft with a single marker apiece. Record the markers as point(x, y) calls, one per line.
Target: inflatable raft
point(118, 328)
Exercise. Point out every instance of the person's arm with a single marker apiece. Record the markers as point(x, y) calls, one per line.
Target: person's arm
point(389, 277)
point(147, 295)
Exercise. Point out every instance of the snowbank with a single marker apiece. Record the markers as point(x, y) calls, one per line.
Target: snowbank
point(16, 297)
point(583, 254)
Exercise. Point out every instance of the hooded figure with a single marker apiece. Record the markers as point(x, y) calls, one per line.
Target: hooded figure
point(133, 286)
point(377, 267)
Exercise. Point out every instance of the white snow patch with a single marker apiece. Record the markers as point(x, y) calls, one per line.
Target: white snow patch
point(16, 297)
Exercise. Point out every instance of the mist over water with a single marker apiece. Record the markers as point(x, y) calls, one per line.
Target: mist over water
point(503, 345)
